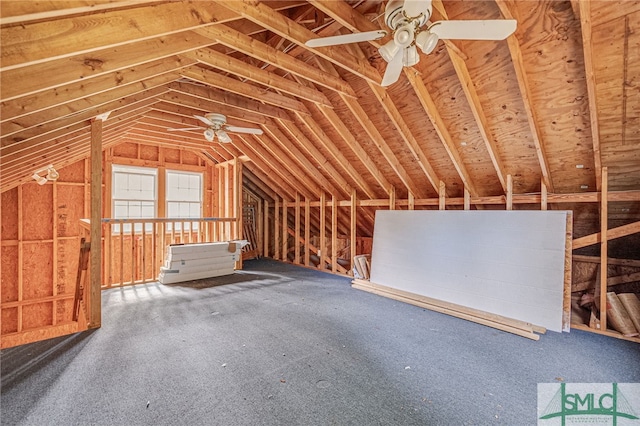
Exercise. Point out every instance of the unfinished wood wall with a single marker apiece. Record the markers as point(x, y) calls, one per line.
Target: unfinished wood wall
point(40, 238)
point(40, 246)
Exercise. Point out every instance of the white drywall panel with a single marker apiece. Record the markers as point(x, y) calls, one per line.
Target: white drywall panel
point(509, 263)
point(229, 259)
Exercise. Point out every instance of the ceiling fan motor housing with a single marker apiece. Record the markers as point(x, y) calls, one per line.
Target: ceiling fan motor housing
point(395, 18)
point(218, 120)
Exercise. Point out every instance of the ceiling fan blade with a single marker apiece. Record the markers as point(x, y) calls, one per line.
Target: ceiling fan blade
point(205, 120)
point(223, 137)
point(493, 29)
point(413, 8)
point(186, 128)
point(236, 129)
point(394, 68)
point(346, 38)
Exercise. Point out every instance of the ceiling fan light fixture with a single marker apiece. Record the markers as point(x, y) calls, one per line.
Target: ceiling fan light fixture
point(410, 56)
point(52, 174)
point(404, 35)
point(223, 137)
point(427, 41)
point(41, 180)
point(209, 134)
point(389, 50)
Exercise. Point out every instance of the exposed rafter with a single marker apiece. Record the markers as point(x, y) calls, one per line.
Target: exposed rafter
point(264, 15)
point(523, 82)
point(587, 46)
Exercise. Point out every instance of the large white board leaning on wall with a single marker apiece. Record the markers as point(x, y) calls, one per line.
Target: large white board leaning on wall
point(509, 263)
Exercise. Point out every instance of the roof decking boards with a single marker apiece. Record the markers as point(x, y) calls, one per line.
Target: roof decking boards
point(474, 111)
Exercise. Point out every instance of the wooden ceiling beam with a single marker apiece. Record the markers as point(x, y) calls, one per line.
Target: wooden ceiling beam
point(238, 87)
point(362, 118)
point(57, 151)
point(476, 106)
point(403, 129)
point(265, 53)
point(151, 134)
point(299, 137)
point(224, 150)
point(261, 13)
point(256, 185)
point(348, 17)
point(20, 12)
point(105, 85)
point(169, 119)
point(296, 50)
point(88, 103)
point(214, 156)
point(525, 92)
point(42, 146)
point(271, 169)
point(351, 18)
point(324, 140)
point(72, 153)
point(590, 79)
point(148, 122)
point(268, 181)
point(357, 149)
point(34, 42)
point(25, 81)
point(19, 141)
point(254, 148)
point(394, 162)
point(229, 99)
point(430, 108)
point(292, 150)
point(279, 158)
point(346, 134)
point(231, 65)
point(204, 106)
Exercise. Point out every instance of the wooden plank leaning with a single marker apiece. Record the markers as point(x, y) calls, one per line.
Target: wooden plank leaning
point(499, 322)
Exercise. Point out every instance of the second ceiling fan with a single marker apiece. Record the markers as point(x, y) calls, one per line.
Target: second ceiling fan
point(411, 29)
point(217, 127)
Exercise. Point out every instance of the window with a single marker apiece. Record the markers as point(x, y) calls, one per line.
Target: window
point(134, 194)
point(184, 196)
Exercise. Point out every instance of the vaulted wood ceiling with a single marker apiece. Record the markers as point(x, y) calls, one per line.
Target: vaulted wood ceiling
point(553, 103)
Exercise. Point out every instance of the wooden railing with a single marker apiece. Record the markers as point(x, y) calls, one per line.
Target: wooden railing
point(134, 249)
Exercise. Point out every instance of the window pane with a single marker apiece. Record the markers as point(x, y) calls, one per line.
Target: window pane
point(194, 210)
point(148, 210)
point(173, 209)
point(134, 209)
point(134, 193)
point(184, 194)
point(183, 181)
point(119, 181)
point(184, 210)
point(134, 183)
point(120, 209)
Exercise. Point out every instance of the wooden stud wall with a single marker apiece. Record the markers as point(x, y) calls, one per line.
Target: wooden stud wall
point(40, 245)
point(40, 239)
point(308, 222)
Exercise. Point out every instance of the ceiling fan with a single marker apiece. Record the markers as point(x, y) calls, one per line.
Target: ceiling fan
point(217, 127)
point(411, 29)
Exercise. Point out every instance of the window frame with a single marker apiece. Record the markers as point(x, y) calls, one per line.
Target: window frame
point(121, 169)
point(168, 200)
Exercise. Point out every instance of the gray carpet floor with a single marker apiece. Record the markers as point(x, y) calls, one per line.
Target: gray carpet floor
point(276, 344)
